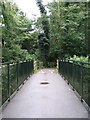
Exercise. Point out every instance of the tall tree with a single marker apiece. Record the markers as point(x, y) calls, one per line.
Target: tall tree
point(44, 38)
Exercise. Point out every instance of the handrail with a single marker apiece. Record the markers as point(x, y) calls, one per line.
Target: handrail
point(76, 61)
point(80, 62)
point(15, 62)
point(14, 75)
point(78, 76)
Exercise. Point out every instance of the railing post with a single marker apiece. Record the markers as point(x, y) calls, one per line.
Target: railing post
point(88, 72)
point(82, 82)
point(8, 67)
point(62, 68)
point(67, 73)
point(28, 68)
point(59, 68)
point(17, 77)
point(32, 66)
point(73, 71)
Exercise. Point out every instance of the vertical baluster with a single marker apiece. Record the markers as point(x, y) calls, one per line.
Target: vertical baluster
point(82, 82)
point(8, 67)
point(17, 77)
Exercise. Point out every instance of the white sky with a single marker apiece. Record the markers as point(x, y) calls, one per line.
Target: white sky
point(30, 7)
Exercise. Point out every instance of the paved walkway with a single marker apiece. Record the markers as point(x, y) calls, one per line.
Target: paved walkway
point(38, 100)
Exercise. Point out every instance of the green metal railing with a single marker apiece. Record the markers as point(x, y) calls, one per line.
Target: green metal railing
point(78, 75)
point(13, 75)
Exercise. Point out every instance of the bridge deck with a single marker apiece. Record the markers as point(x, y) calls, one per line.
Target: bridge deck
point(53, 100)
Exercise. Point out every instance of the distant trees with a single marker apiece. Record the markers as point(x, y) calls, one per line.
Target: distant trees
point(68, 29)
point(44, 44)
point(66, 32)
point(17, 42)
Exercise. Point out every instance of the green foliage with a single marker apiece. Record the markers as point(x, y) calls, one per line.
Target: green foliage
point(68, 29)
point(65, 30)
point(44, 19)
point(81, 58)
point(44, 37)
point(17, 43)
point(41, 7)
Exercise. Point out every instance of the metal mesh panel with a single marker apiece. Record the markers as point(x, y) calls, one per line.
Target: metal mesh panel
point(4, 83)
point(77, 78)
point(78, 75)
point(86, 85)
point(13, 75)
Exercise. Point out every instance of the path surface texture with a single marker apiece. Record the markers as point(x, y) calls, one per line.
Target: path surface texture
point(45, 95)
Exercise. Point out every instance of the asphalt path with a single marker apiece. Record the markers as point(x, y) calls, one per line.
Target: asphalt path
point(45, 95)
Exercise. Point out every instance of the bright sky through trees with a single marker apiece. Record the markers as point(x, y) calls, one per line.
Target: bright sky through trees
point(30, 7)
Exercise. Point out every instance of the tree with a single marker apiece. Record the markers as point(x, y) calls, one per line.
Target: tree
point(67, 29)
point(44, 38)
point(15, 32)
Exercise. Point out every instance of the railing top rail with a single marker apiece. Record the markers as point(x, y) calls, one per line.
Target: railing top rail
point(4, 63)
point(80, 62)
point(77, 61)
